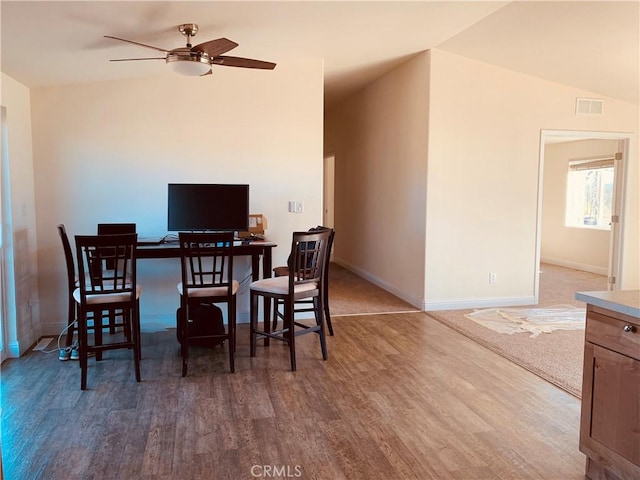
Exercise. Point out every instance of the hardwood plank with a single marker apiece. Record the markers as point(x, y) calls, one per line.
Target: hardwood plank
point(401, 396)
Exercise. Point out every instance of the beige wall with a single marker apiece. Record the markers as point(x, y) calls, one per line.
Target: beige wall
point(483, 176)
point(379, 139)
point(105, 152)
point(484, 128)
point(20, 236)
point(580, 248)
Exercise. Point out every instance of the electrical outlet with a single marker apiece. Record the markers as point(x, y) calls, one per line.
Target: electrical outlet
point(492, 277)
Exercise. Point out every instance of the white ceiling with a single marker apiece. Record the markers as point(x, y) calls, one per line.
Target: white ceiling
point(589, 45)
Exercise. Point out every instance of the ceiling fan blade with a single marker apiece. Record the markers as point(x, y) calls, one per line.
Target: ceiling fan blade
point(243, 62)
point(207, 73)
point(216, 47)
point(132, 59)
point(137, 43)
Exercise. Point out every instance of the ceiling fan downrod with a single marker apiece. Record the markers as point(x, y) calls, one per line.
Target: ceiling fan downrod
point(188, 30)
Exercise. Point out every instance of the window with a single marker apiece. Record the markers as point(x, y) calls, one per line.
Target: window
point(590, 193)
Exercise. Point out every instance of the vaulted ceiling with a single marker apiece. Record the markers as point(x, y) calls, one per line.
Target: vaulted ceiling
point(592, 45)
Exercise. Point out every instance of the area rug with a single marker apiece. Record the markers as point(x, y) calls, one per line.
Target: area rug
point(535, 320)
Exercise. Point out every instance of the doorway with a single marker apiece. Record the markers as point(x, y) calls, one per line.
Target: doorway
point(610, 240)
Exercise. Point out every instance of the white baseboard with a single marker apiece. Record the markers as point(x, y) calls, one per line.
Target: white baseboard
point(575, 266)
point(13, 350)
point(455, 304)
point(466, 304)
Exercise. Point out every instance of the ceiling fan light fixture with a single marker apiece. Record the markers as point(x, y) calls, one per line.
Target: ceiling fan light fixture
point(191, 65)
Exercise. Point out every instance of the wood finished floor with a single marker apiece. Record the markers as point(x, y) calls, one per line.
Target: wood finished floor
point(401, 397)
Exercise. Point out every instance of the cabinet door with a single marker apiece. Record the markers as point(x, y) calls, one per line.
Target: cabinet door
point(612, 410)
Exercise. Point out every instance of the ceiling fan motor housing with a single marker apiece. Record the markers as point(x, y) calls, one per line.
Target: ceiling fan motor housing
point(184, 61)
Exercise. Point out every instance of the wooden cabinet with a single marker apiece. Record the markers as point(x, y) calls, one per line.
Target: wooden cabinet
point(610, 417)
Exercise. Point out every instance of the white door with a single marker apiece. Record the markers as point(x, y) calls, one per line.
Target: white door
point(615, 258)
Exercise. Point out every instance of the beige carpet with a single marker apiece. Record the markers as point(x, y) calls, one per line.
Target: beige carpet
point(556, 357)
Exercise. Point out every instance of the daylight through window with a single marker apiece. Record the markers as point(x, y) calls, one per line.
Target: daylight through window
point(590, 193)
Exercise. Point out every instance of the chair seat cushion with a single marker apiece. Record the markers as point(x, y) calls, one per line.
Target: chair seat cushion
point(280, 286)
point(96, 298)
point(209, 291)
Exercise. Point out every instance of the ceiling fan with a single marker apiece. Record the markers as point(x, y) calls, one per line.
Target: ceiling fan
point(197, 61)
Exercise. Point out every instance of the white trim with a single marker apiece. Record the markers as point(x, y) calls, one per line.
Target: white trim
point(13, 349)
point(576, 266)
point(466, 304)
point(453, 304)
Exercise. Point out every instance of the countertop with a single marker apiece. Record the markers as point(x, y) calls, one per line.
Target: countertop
point(620, 301)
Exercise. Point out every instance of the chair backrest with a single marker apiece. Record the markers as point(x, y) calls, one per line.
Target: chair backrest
point(320, 228)
point(116, 228)
point(307, 260)
point(68, 258)
point(206, 261)
point(107, 265)
point(327, 258)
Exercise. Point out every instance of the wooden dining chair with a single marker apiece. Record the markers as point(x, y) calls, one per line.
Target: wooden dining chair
point(305, 280)
point(206, 261)
point(107, 289)
point(115, 229)
point(72, 283)
point(306, 305)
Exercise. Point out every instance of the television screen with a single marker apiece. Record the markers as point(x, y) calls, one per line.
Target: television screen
point(215, 207)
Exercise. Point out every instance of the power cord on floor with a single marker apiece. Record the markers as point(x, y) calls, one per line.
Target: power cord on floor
point(59, 337)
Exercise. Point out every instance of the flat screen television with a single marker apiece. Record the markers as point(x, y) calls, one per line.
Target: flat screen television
point(208, 207)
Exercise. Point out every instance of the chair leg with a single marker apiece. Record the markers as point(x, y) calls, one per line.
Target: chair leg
point(232, 318)
point(82, 341)
point(184, 346)
point(319, 310)
point(126, 326)
point(327, 316)
point(231, 325)
point(97, 332)
point(290, 326)
point(71, 320)
point(253, 323)
point(112, 321)
point(266, 321)
point(135, 336)
point(276, 304)
point(137, 327)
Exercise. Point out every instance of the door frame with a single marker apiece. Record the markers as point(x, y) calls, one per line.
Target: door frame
point(328, 194)
point(616, 243)
point(5, 298)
